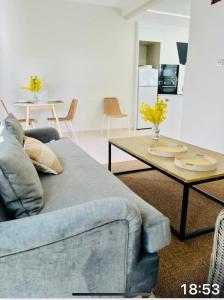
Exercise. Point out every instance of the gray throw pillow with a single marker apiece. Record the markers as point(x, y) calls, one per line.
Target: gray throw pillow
point(12, 126)
point(20, 186)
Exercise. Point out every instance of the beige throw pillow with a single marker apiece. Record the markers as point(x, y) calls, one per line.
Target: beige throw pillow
point(44, 159)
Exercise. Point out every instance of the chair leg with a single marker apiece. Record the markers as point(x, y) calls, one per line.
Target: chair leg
point(129, 128)
point(68, 129)
point(51, 124)
point(65, 129)
point(102, 124)
point(108, 127)
point(73, 131)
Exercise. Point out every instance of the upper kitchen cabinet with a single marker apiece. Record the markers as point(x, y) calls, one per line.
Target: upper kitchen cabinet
point(149, 54)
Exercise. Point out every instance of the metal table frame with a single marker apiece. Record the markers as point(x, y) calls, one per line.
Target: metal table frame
point(181, 234)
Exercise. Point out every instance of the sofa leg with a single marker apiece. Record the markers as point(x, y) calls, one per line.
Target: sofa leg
point(150, 295)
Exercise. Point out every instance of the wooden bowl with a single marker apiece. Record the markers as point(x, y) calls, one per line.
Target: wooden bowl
point(196, 162)
point(166, 149)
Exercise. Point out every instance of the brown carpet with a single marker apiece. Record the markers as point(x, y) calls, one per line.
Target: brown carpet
point(181, 262)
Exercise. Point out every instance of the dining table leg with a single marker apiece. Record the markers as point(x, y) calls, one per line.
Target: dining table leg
point(56, 120)
point(27, 116)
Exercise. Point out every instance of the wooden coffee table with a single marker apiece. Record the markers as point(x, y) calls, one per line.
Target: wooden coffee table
point(138, 146)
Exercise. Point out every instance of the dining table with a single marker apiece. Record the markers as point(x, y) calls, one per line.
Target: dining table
point(41, 105)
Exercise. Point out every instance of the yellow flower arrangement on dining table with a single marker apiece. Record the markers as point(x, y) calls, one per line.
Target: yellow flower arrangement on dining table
point(35, 84)
point(155, 114)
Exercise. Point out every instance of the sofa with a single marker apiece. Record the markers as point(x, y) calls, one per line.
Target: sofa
point(94, 235)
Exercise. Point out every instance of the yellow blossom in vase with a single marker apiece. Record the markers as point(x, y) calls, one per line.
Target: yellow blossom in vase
point(35, 84)
point(155, 114)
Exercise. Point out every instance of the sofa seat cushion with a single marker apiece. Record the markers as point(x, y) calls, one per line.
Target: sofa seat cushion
point(85, 180)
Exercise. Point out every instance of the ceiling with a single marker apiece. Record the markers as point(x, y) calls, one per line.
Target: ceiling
point(110, 3)
point(181, 7)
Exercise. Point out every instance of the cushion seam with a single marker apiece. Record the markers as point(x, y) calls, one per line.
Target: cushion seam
point(63, 239)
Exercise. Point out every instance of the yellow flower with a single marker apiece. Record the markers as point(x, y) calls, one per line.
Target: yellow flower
point(35, 84)
point(155, 114)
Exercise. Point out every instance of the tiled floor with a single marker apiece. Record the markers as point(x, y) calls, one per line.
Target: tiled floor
point(96, 144)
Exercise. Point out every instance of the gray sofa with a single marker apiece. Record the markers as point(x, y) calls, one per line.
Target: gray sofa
point(94, 235)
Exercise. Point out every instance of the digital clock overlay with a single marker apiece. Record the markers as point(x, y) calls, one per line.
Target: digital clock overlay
point(200, 289)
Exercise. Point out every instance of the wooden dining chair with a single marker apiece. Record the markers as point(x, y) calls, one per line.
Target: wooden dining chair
point(32, 122)
point(112, 110)
point(3, 107)
point(68, 119)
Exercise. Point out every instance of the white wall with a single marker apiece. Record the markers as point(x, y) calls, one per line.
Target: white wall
point(79, 50)
point(203, 117)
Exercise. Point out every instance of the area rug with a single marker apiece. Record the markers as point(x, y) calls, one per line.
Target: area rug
point(181, 262)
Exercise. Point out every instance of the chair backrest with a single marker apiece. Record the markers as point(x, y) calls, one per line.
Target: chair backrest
point(111, 106)
point(72, 110)
point(2, 106)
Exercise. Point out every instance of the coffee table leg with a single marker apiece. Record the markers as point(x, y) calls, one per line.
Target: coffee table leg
point(183, 222)
point(109, 156)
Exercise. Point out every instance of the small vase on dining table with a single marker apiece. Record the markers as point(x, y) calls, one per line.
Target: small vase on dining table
point(35, 97)
point(156, 132)
point(155, 114)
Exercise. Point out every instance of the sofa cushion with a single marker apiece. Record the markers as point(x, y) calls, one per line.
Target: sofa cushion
point(20, 186)
point(12, 126)
point(42, 156)
point(85, 180)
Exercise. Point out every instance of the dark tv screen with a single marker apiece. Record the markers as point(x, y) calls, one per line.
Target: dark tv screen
point(182, 51)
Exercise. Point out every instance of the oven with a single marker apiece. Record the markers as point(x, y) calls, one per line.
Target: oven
point(168, 79)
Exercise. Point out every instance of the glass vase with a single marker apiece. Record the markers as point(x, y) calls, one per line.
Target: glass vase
point(35, 97)
point(156, 132)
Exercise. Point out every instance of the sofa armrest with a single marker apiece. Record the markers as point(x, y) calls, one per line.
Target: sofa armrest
point(33, 232)
point(45, 135)
point(90, 248)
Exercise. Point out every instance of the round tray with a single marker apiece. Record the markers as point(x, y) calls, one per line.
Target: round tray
point(196, 162)
point(166, 149)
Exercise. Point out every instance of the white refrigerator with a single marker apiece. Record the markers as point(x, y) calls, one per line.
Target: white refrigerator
point(147, 91)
